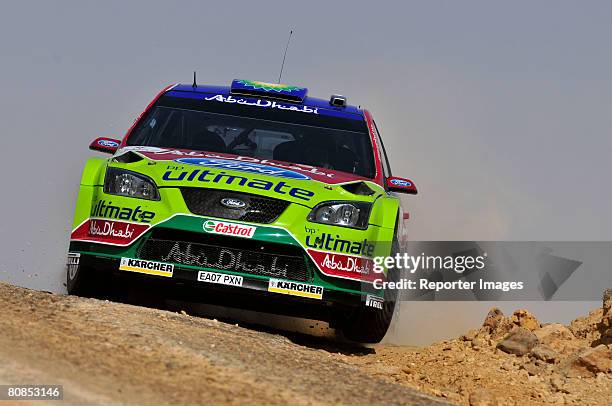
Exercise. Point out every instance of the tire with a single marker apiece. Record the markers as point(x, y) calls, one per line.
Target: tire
point(368, 325)
point(84, 281)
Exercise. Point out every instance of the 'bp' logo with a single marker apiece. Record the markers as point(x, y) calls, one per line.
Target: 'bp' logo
point(243, 167)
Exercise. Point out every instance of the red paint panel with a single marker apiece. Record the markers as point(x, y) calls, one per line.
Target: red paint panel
point(108, 232)
point(345, 266)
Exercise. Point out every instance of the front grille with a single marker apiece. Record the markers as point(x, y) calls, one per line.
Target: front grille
point(226, 253)
point(258, 209)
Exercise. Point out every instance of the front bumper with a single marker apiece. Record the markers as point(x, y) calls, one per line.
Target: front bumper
point(253, 295)
point(104, 256)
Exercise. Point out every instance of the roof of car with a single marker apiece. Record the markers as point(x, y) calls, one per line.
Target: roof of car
point(313, 102)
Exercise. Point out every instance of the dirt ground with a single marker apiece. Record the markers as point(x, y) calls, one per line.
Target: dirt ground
point(110, 353)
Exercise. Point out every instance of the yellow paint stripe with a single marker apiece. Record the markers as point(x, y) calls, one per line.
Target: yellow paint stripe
point(147, 271)
point(296, 293)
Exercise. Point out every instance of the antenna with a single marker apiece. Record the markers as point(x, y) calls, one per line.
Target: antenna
point(280, 75)
point(194, 80)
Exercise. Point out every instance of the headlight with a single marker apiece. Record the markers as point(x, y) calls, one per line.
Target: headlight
point(344, 214)
point(125, 183)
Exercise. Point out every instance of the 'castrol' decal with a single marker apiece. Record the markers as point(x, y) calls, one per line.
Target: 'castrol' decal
point(225, 228)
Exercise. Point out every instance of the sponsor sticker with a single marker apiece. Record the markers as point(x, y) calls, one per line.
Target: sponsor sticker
point(146, 267)
point(329, 242)
point(225, 228)
point(171, 154)
point(177, 174)
point(106, 209)
point(295, 289)
point(72, 264)
point(262, 103)
point(220, 278)
point(228, 259)
point(108, 231)
point(111, 229)
point(248, 167)
point(345, 266)
point(374, 301)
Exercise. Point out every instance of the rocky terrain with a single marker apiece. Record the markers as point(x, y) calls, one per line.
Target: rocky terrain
point(110, 353)
point(509, 361)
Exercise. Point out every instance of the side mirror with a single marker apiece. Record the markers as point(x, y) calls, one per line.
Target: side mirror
point(103, 144)
point(401, 185)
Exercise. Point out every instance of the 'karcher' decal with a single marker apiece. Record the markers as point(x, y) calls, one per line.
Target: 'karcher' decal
point(295, 289)
point(147, 267)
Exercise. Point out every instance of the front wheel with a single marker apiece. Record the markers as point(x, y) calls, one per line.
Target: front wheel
point(84, 281)
point(369, 325)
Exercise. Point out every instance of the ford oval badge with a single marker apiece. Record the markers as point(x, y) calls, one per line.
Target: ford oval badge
point(233, 203)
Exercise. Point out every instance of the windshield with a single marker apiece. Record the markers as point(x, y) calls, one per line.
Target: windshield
point(263, 135)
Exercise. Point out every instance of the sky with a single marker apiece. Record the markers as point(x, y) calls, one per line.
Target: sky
point(498, 111)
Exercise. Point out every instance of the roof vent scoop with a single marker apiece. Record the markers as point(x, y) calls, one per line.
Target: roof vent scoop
point(358, 188)
point(128, 157)
point(337, 101)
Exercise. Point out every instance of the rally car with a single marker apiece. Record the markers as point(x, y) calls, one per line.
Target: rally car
point(253, 195)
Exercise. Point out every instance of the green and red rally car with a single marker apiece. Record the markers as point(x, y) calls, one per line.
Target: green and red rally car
point(253, 196)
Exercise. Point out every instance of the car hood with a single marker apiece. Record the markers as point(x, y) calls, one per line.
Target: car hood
point(302, 184)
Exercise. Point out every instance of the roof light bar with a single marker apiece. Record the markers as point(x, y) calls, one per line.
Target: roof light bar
point(272, 90)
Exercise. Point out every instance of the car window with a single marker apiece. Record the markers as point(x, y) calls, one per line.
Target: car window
point(332, 148)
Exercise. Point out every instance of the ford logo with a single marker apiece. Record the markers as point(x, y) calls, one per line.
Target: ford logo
point(108, 143)
point(242, 166)
point(401, 182)
point(232, 203)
